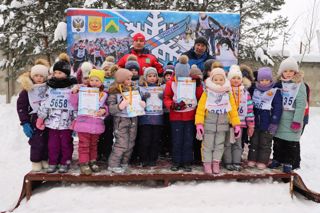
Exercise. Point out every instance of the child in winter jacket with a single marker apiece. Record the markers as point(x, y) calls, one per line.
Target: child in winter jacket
point(233, 147)
point(120, 103)
point(182, 114)
point(56, 113)
point(150, 124)
point(90, 126)
point(34, 89)
point(286, 147)
point(267, 102)
point(215, 111)
point(83, 73)
point(133, 66)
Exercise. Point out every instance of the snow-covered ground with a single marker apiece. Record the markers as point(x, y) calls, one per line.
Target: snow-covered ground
point(220, 196)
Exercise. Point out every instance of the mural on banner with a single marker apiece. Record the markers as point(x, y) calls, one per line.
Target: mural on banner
point(94, 34)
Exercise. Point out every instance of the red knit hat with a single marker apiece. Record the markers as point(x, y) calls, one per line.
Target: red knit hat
point(139, 36)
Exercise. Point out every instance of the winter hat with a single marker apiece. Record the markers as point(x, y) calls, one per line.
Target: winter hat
point(85, 68)
point(63, 64)
point(107, 64)
point(130, 65)
point(139, 36)
point(97, 73)
point(234, 71)
point(264, 73)
point(122, 74)
point(195, 71)
point(41, 67)
point(247, 72)
point(182, 68)
point(217, 71)
point(201, 40)
point(169, 69)
point(288, 64)
point(148, 71)
point(216, 64)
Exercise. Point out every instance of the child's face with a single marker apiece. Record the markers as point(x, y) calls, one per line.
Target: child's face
point(134, 72)
point(288, 74)
point(264, 82)
point(95, 82)
point(58, 74)
point(85, 80)
point(107, 73)
point(235, 81)
point(38, 79)
point(151, 78)
point(128, 81)
point(167, 77)
point(218, 79)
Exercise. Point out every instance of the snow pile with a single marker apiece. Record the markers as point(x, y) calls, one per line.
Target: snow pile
point(218, 196)
point(260, 55)
point(60, 33)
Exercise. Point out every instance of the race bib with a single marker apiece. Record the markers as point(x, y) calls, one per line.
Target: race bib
point(243, 106)
point(218, 103)
point(154, 104)
point(107, 82)
point(289, 94)
point(88, 101)
point(263, 100)
point(36, 95)
point(59, 98)
point(186, 91)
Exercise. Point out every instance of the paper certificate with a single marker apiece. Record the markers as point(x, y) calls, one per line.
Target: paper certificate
point(134, 108)
point(186, 91)
point(154, 103)
point(88, 101)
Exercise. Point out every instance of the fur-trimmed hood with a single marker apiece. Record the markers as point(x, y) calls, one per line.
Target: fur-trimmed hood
point(25, 81)
point(247, 74)
point(297, 78)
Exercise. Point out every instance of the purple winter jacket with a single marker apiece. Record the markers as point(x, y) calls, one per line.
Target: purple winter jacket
point(88, 124)
point(24, 108)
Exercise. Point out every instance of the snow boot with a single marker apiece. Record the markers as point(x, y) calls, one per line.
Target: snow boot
point(125, 166)
point(261, 166)
point(207, 169)
point(175, 167)
point(85, 169)
point(93, 166)
point(117, 170)
point(63, 169)
point(229, 167)
point(274, 164)
point(251, 164)
point(52, 169)
point(216, 167)
point(237, 167)
point(287, 168)
point(45, 164)
point(36, 167)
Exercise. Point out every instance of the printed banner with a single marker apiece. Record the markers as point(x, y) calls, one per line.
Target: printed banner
point(88, 101)
point(94, 34)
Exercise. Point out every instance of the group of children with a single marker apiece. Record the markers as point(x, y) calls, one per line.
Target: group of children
point(216, 109)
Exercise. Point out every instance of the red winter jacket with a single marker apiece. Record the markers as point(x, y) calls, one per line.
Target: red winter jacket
point(145, 59)
point(168, 100)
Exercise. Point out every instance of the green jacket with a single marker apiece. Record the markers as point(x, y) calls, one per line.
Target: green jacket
point(284, 131)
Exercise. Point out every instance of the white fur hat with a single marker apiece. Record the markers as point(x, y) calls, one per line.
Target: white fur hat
point(288, 64)
point(85, 68)
point(234, 71)
point(40, 70)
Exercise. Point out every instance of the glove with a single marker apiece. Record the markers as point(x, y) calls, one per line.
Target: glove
point(160, 96)
point(146, 96)
point(142, 104)
point(27, 129)
point(272, 129)
point(124, 103)
point(40, 124)
point(200, 132)
point(295, 126)
point(178, 106)
point(250, 131)
point(237, 131)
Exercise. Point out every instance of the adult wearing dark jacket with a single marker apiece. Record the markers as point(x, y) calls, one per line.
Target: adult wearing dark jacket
point(199, 53)
point(145, 58)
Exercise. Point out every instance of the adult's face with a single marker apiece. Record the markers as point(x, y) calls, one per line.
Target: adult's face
point(200, 48)
point(138, 44)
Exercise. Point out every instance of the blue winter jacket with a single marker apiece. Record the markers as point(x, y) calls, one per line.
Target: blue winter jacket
point(197, 60)
point(263, 118)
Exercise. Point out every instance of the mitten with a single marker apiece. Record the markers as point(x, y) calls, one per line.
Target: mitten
point(250, 131)
point(145, 96)
point(27, 129)
point(272, 129)
point(160, 96)
point(142, 104)
point(237, 131)
point(200, 132)
point(295, 126)
point(123, 104)
point(40, 124)
point(182, 105)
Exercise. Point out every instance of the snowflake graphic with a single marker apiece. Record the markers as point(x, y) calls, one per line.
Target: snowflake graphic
point(154, 25)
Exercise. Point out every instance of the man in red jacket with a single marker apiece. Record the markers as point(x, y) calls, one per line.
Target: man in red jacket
point(145, 58)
